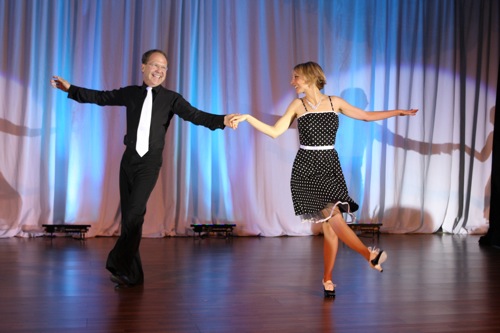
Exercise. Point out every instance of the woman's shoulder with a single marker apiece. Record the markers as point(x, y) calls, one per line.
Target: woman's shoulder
point(297, 106)
point(334, 98)
point(336, 102)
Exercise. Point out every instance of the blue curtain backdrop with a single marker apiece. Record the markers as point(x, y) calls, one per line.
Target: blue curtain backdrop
point(60, 159)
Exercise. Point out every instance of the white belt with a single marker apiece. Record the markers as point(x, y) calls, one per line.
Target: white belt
point(317, 147)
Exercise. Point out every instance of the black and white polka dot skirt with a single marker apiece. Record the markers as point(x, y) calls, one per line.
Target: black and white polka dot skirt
point(317, 183)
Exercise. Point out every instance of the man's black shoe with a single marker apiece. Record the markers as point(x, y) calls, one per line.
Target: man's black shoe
point(120, 281)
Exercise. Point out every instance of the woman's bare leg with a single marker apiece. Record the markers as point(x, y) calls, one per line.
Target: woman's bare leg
point(346, 235)
point(330, 248)
point(374, 256)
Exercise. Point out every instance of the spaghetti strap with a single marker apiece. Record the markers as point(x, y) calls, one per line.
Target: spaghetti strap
point(305, 107)
point(330, 98)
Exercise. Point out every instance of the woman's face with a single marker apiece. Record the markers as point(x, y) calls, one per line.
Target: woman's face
point(298, 82)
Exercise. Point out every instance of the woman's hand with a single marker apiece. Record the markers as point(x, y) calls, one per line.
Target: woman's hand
point(238, 119)
point(410, 112)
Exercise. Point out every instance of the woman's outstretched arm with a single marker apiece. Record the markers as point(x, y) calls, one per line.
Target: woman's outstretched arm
point(357, 113)
point(271, 130)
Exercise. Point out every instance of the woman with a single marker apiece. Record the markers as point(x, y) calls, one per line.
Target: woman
point(319, 191)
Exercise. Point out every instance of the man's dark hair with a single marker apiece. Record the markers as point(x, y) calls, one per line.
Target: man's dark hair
point(147, 54)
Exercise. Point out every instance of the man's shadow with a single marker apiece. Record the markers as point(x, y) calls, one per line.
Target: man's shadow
point(10, 200)
point(483, 156)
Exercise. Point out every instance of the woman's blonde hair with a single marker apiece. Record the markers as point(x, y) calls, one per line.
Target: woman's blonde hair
point(313, 73)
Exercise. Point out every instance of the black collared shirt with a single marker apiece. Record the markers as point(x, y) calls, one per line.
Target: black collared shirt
point(166, 103)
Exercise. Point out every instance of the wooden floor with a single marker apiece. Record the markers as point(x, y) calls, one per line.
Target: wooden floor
point(430, 283)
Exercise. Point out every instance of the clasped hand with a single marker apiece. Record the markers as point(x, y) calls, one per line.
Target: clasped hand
point(238, 118)
point(232, 120)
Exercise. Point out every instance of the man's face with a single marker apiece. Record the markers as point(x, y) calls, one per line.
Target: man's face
point(155, 71)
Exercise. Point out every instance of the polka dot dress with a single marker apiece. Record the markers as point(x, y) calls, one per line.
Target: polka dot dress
point(317, 181)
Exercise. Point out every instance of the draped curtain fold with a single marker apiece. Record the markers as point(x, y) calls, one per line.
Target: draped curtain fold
point(60, 159)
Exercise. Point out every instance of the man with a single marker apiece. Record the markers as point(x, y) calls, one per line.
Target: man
point(140, 164)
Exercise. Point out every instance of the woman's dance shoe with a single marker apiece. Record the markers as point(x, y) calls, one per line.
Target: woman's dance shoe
point(377, 257)
point(329, 288)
